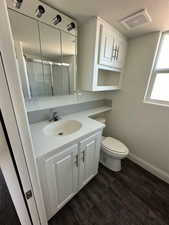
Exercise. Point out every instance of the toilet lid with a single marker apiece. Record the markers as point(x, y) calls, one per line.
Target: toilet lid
point(114, 145)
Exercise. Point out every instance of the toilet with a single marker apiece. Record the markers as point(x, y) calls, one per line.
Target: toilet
point(112, 151)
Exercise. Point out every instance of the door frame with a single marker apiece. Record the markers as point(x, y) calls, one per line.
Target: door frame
point(11, 179)
point(15, 117)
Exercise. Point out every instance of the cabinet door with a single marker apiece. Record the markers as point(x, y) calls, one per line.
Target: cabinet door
point(112, 47)
point(120, 47)
point(61, 175)
point(106, 46)
point(89, 158)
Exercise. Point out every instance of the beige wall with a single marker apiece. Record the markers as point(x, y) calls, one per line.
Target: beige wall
point(143, 127)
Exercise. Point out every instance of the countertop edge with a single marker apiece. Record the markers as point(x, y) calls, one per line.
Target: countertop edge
point(87, 114)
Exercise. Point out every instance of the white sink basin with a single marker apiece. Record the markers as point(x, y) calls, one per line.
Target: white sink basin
point(62, 128)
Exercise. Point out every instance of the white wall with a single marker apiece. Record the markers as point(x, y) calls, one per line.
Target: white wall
point(143, 127)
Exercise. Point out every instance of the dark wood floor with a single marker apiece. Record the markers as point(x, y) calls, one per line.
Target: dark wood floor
point(8, 214)
point(130, 197)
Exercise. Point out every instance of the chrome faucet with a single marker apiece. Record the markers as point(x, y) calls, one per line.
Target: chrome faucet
point(54, 116)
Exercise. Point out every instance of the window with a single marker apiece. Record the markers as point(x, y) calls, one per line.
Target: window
point(158, 87)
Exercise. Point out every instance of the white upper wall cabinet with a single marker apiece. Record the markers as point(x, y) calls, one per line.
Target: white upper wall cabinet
point(112, 47)
point(102, 51)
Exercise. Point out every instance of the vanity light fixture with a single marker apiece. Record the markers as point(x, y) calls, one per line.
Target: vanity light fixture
point(71, 26)
point(18, 3)
point(40, 11)
point(57, 19)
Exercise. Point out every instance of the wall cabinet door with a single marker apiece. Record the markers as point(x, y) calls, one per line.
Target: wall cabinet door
point(106, 46)
point(89, 158)
point(120, 47)
point(61, 177)
point(112, 48)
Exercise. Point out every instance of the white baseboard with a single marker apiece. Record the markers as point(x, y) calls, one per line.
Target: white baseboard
point(149, 167)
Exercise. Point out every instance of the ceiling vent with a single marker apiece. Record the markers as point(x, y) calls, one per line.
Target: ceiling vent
point(136, 19)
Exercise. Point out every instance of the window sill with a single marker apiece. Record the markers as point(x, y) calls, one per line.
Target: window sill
point(156, 102)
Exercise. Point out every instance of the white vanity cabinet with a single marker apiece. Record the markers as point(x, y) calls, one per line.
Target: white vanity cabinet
point(102, 52)
point(64, 173)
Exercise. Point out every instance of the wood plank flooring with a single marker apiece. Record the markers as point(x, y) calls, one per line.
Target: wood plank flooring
point(130, 197)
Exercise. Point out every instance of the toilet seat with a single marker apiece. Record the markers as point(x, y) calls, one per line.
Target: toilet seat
point(113, 145)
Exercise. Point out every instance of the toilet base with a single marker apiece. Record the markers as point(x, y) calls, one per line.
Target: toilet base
point(110, 163)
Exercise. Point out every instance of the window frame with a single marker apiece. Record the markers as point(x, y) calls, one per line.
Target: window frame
point(153, 74)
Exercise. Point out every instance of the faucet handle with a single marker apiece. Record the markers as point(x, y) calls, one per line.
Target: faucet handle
point(54, 113)
point(54, 116)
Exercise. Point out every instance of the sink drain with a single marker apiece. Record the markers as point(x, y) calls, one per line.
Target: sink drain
point(61, 133)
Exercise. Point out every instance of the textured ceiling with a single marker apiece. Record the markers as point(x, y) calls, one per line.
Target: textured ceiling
point(114, 10)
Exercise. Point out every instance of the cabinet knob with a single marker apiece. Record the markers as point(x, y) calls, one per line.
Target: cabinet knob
point(118, 52)
point(83, 156)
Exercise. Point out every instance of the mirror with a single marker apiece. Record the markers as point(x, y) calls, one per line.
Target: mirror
point(46, 57)
point(51, 57)
point(27, 46)
point(61, 68)
point(69, 59)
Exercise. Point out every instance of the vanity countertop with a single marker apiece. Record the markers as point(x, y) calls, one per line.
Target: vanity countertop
point(44, 144)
